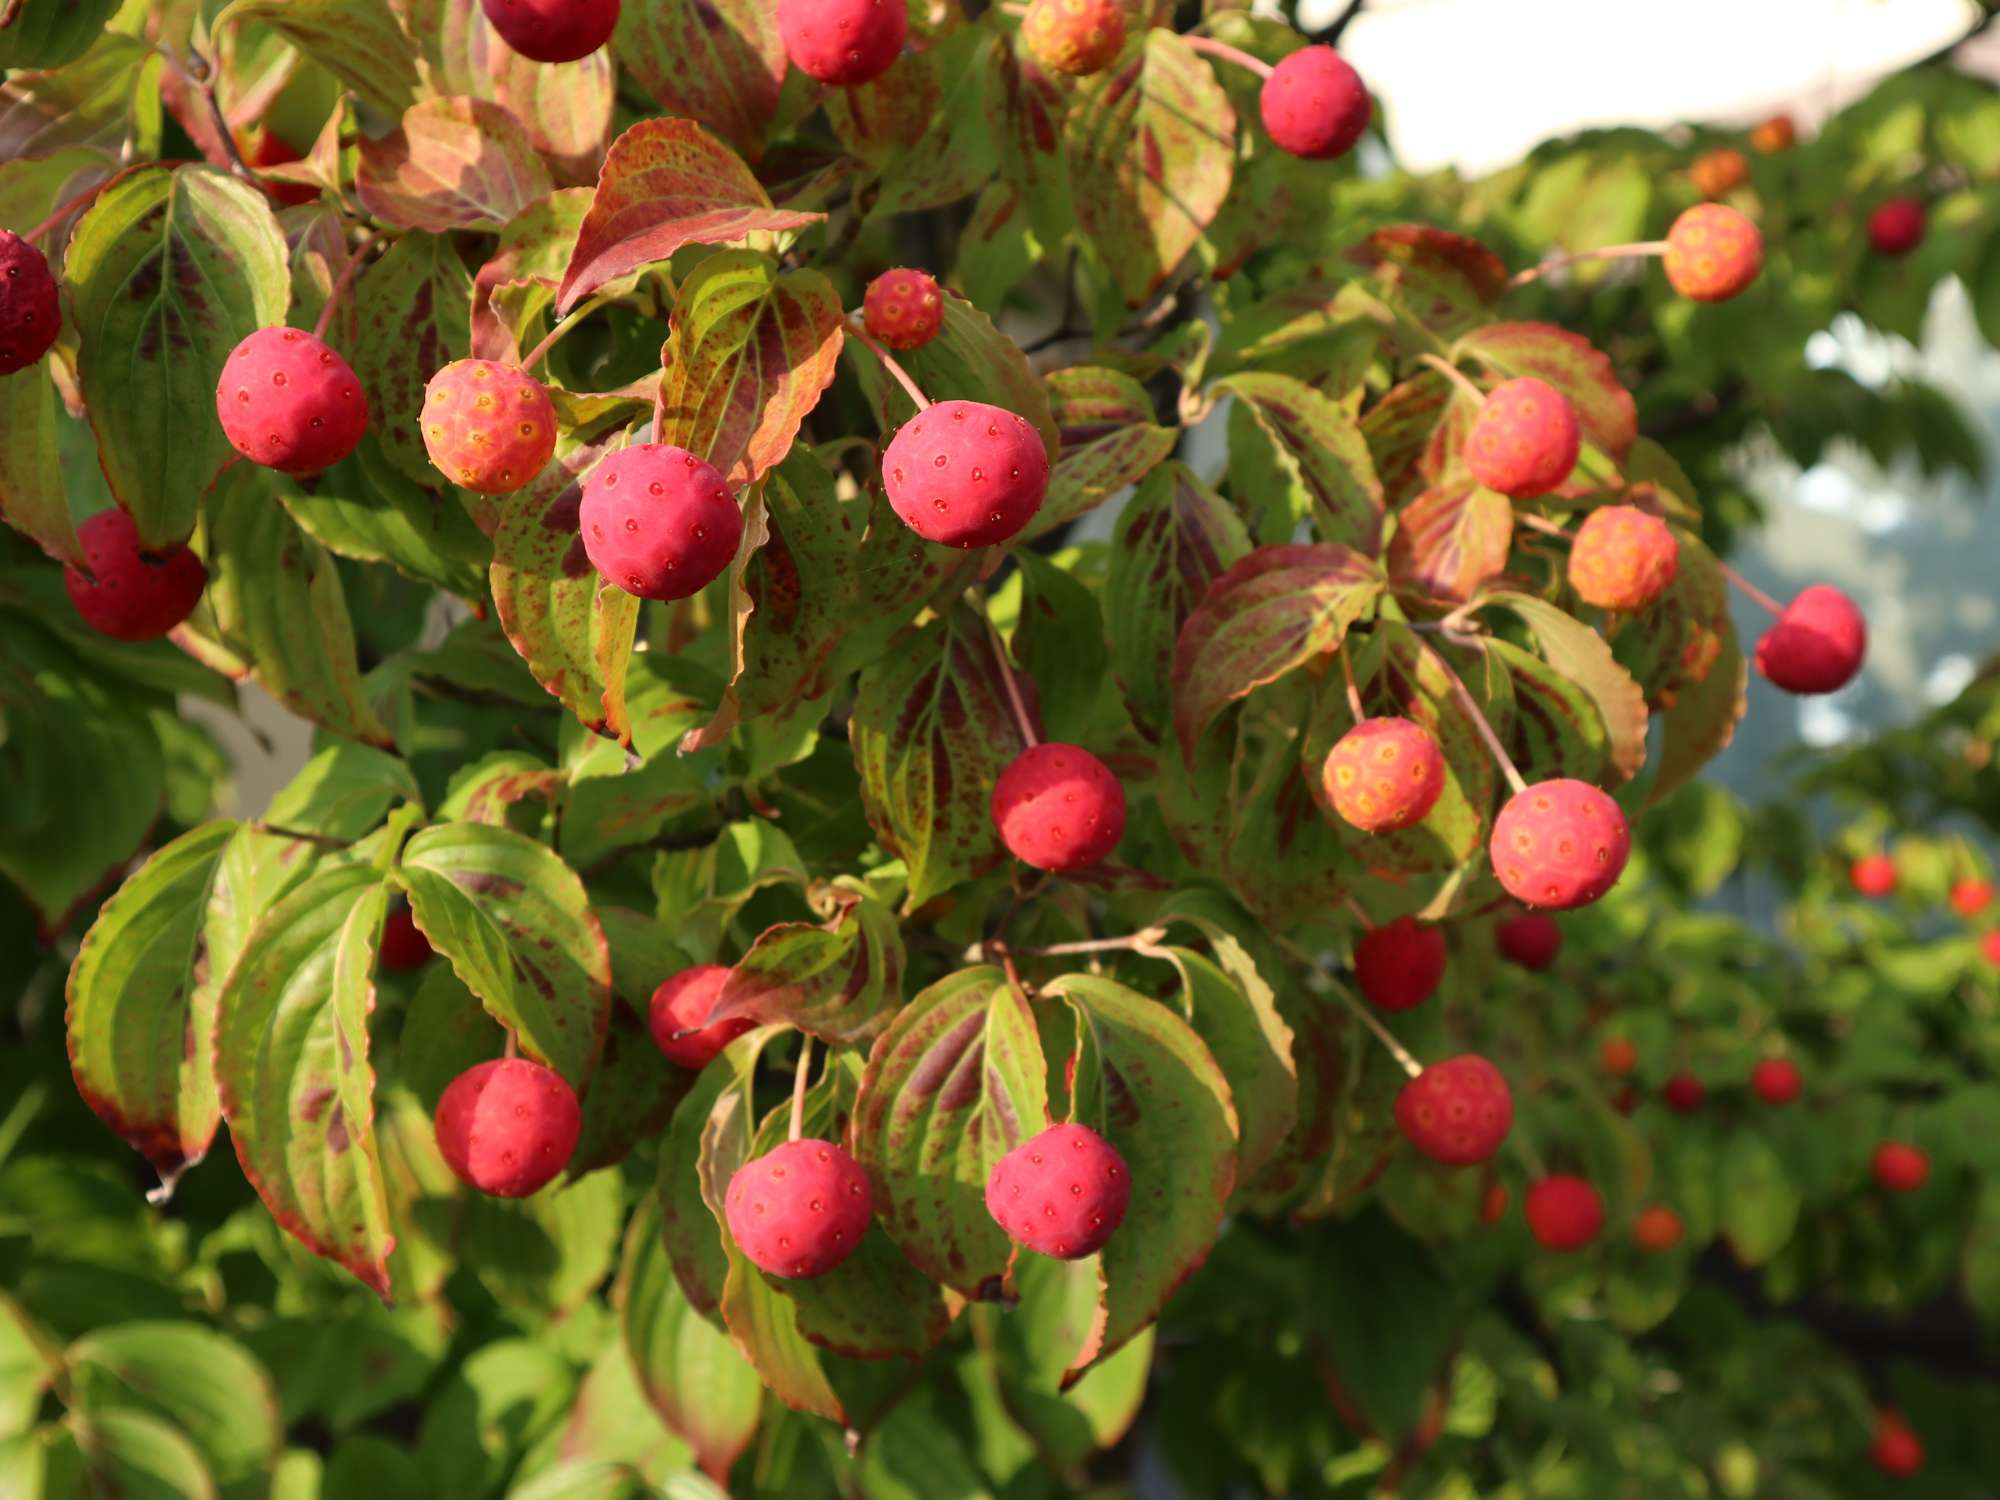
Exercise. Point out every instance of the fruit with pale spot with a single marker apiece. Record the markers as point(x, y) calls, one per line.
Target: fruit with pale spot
point(658, 522)
point(966, 474)
point(1059, 808)
point(903, 309)
point(508, 1127)
point(287, 401)
point(1062, 1193)
point(799, 1210)
point(30, 309)
point(129, 593)
point(1457, 1112)
point(1078, 37)
point(1623, 558)
point(487, 426)
point(1525, 440)
point(1713, 253)
point(1720, 172)
point(1384, 775)
point(1560, 844)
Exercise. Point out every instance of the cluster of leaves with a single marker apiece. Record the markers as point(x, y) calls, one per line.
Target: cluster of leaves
point(579, 795)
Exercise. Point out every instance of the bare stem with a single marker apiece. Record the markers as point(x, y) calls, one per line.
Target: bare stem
point(1537, 1168)
point(1479, 721)
point(1137, 942)
point(1404, 1058)
point(1228, 53)
point(562, 330)
point(1756, 595)
point(1603, 252)
point(889, 363)
point(1021, 719)
point(201, 73)
point(81, 200)
point(1353, 689)
point(799, 1083)
point(513, 1045)
point(341, 283)
point(1540, 523)
point(1467, 386)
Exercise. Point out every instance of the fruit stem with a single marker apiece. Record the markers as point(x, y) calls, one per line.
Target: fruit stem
point(1228, 53)
point(1137, 942)
point(342, 283)
point(1404, 1058)
point(1540, 523)
point(561, 331)
point(513, 1045)
point(1021, 719)
point(1756, 595)
point(1604, 252)
point(1479, 721)
point(799, 1081)
point(82, 199)
point(1353, 689)
point(200, 71)
point(890, 363)
point(1467, 386)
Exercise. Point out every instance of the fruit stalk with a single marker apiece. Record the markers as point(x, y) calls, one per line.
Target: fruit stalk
point(1632, 251)
point(1479, 722)
point(1750, 590)
point(342, 282)
point(1228, 53)
point(800, 1079)
point(1405, 1059)
point(1467, 386)
point(561, 331)
point(1021, 719)
point(889, 363)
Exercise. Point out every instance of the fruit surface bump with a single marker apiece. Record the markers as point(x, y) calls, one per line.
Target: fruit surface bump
point(131, 594)
point(1776, 1080)
point(287, 401)
point(1817, 644)
point(799, 1210)
point(1384, 775)
point(1897, 227)
point(403, 948)
point(487, 426)
point(1531, 940)
point(1564, 1213)
point(30, 310)
point(903, 308)
point(1399, 965)
point(1062, 1193)
point(508, 1127)
point(1457, 1112)
point(1713, 253)
point(1900, 1167)
point(553, 31)
point(1525, 440)
point(966, 474)
point(844, 42)
point(1623, 558)
point(678, 1017)
point(1078, 37)
point(1058, 807)
point(1560, 844)
point(658, 522)
point(1314, 104)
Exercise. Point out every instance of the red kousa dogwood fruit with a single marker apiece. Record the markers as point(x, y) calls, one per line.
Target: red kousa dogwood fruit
point(1564, 1213)
point(1900, 1167)
point(1062, 1193)
point(1457, 1112)
point(1897, 227)
point(1525, 440)
point(1718, 173)
point(1059, 808)
point(903, 309)
point(1873, 875)
point(1384, 775)
point(1817, 644)
point(553, 31)
point(1623, 558)
point(287, 401)
point(845, 42)
point(1314, 105)
point(1658, 1229)
point(1971, 897)
point(1078, 37)
point(966, 474)
point(1530, 939)
point(1776, 1080)
point(404, 948)
point(679, 1014)
point(1399, 965)
point(1989, 947)
point(1713, 253)
point(131, 594)
point(1560, 845)
point(508, 1127)
point(800, 1210)
point(1684, 1094)
point(487, 426)
point(659, 522)
point(30, 313)
point(1897, 1450)
point(1618, 1056)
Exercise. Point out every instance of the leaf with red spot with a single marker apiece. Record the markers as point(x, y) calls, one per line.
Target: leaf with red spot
point(1316, 450)
point(1550, 725)
point(1703, 719)
point(292, 1068)
point(1148, 1084)
point(1270, 613)
point(1442, 282)
point(412, 317)
point(1580, 654)
point(932, 731)
point(1451, 539)
point(1151, 148)
point(452, 164)
point(751, 351)
point(721, 62)
point(840, 981)
point(1573, 365)
point(1110, 439)
point(1401, 429)
point(666, 184)
point(955, 1083)
point(519, 280)
point(920, 127)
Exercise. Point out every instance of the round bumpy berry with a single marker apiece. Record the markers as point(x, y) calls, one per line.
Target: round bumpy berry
point(966, 474)
point(1058, 807)
point(1457, 1111)
point(287, 401)
point(30, 315)
point(1873, 875)
point(1619, 1056)
point(131, 594)
point(1776, 1080)
point(1775, 134)
point(1062, 1193)
point(1900, 1167)
point(659, 522)
point(1384, 775)
point(1399, 965)
point(1078, 37)
point(1713, 253)
point(1564, 1213)
point(679, 1015)
point(508, 1127)
point(1530, 939)
point(1657, 1230)
point(1560, 845)
point(1970, 897)
point(1525, 440)
point(844, 42)
point(800, 1210)
point(903, 309)
point(1897, 227)
point(1623, 558)
point(487, 426)
point(1684, 1094)
point(553, 31)
point(1817, 644)
point(1897, 1450)
point(1314, 105)
point(1720, 172)
point(404, 948)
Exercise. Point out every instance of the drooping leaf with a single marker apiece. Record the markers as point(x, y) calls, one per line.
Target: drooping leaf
point(1555, 727)
point(1233, 1011)
point(1110, 439)
point(33, 497)
point(721, 62)
point(360, 41)
point(635, 1089)
point(1452, 538)
point(366, 509)
point(453, 164)
point(919, 127)
point(1579, 653)
point(1320, 452)
point(50, 33)
point(202, 1382)
point(1433, 278)
point(1703, 721)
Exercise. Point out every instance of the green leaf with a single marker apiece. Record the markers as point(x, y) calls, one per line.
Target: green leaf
point(367, 509)
point(361, 42)
point(1235, 1014)
point(545, 1254)
point(751, 351)
point(490, 1411)
point(205, 1384)
point(129, 1453)
point(167, 272)
point(452, 164)
point(1578, 653)
point(1110, 438)
point(104, 98)
point(291, 1062)
point(919, 128)
point(1059, 637)
point(52, 33)
point(29, 1364)
point(1319, 453)
point(969, 360)
point(955, 1083)
point(1759, 1205)
point(412, 317)
point(134, 1037)
point(634, 1090)
point(560, 999)
point(33, 498)
point(721, 62)
point(1556, 728)
point(1703, 719)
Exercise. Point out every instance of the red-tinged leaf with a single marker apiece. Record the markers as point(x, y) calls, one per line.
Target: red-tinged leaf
point(412, 312)
point(1579, 653)
point(635, 1090)
point(291, 1063)
point(507, 890)
point(1273, 611)
point(920, 128)
point(1024, 111)
point(1285, 860)
point(690, 1371)
point(1147, 1083)
point(33, 497)
point(766, 1328)
point(1451, 539)
point(721, 62)
point(840, 981)
point(666, 184)
point(969, 360)
point(954, 1084)
point(1569, 362)
point(87, 104)
point(1110, 439)
point(454, 164)
point(1552, 727)
point(134, 1049)
point(1319, 450)
point(519, 279)
point(1440, 281)
point(1400, 430)
point(1703, 721)
point(1151, 147)
point(751, 352)
point(569, 624)
point(361, 42)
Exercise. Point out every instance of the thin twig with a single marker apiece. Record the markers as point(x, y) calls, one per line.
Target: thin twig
point(277, 831)
point(889, 363)
point(201, 73)
point(799, 1083)
point(1353, 688)
point(1021, 718)
point(1578, 257)
point(561, 331)
point(1493, 745)
point(342, 282)
point(1228, 53)
point(1467, 386)
point(83, 199)
point(1540, 523)
point(1137, 942)
point(1756, 595)
point(1404, 1058)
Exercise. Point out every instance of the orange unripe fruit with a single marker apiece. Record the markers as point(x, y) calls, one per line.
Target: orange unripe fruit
point(1713, 253)
point(1873, 876)
point(1077, 37)
point(487, 426)
point(903, 309)
point(1559, 845)
point(1623, 558)
point(1720, 172)
point(1657, 1230)
point(1384, 775)
point(1525, 440)
point(1618, 1057)
point(1776, 134)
